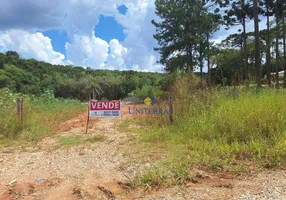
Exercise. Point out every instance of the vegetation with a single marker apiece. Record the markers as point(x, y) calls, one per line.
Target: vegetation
point(34, 77)
point(213, 129)
point(42, 116)
point(74, 140)
point(215, 125)
point(186, 28)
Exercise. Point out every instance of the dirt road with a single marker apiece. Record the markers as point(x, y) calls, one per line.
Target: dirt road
point(96, 170)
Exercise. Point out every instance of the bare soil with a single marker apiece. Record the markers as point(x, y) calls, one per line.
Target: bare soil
point(100, 170)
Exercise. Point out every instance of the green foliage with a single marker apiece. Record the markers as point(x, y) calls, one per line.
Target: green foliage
point(213, 129)
point(75, 140)
point(34, 77)
point(148, 91)
point(68, 141)
point(183, 32)
point(96, 138)
point(10, 126)
point(42, 116)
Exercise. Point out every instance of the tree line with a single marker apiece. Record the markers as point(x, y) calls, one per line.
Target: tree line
point(186, 27)
point(34, 77)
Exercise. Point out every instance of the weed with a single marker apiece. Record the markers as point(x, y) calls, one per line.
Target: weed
point(42, 116)
point(69, 141)
point(215, 130)
point(97, 138)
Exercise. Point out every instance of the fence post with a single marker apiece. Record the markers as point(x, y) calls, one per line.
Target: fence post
point(20, 111)
point(171, 108)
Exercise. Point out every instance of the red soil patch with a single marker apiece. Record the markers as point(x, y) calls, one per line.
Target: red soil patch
point(77, 122)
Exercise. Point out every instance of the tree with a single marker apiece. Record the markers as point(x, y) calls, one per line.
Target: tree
point(284, 43)
point(238, 12)
point(268, 13)
point(278, 11)
point(209, 24)
point(227, 65)
point(257, 45)
point(12, 54)
point(94, 90)
point(178, 33)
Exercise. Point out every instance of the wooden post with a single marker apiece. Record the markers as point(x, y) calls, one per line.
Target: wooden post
point(20, 111)
point(20, 108)
point(87, 118)
point(171, 108)
point(235, 92)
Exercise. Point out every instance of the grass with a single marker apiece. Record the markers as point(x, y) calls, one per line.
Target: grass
point(215, 130)
point(96, 138)
point(42, 117)
point(75, 140)
point(68, 141)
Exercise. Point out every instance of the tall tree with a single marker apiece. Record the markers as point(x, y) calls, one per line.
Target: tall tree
point(178, 33)
point(277, 34)
point(238, 12)
point(257, 45)
point(268, 13)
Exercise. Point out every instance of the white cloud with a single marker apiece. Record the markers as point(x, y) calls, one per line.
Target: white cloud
point(87, 51)
point(139, 41)
point(21, 19)
point(115, 58)
point(30, 45)
point(78, 18)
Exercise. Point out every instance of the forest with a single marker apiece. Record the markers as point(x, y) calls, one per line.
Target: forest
point(186, 30)
point(34, 77)
point(185, 44)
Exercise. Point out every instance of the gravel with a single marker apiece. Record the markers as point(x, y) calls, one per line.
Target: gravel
point(84, 168)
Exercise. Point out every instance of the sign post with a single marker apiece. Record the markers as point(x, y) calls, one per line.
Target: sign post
point(103, 109)
point(87, 119)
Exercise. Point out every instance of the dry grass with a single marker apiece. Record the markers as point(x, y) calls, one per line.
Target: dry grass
point(215, 130)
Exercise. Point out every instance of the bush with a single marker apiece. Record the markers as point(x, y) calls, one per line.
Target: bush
point(42, 115)
point(214, 129)
point(148, 91)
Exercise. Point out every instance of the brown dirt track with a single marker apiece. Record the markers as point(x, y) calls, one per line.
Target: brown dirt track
point(98, 170)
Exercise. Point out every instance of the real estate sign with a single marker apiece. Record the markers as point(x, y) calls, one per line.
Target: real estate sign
point(104, 109)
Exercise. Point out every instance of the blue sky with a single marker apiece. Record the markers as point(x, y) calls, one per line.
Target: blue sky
point(102, 34)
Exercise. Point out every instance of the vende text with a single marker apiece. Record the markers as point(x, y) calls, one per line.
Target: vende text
point(110, 105)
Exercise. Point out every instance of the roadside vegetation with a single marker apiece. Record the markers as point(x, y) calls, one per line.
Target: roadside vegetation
point(215, 129)
point(42, 116)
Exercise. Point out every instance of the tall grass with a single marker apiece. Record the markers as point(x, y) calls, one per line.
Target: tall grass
point(213, 129)
point(42, 116)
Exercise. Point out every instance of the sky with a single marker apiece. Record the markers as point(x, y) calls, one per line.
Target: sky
point(101, 34)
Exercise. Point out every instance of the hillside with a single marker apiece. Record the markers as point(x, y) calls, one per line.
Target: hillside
point(33, 77)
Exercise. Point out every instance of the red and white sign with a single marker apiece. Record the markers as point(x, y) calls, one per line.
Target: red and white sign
point(104, 109)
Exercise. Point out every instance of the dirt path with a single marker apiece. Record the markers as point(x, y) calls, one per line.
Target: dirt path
point(78, 172)
point(94, 171)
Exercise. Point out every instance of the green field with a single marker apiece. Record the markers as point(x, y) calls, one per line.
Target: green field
point(215, 130)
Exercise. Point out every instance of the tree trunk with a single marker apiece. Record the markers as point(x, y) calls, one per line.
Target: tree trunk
point(190, 53)
point(284, 51)
point(209, 64)
point(201, 61)
point(257, 46)
point(201, 69)
point(268, 54)
point(277, 52)
point(245, 57)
